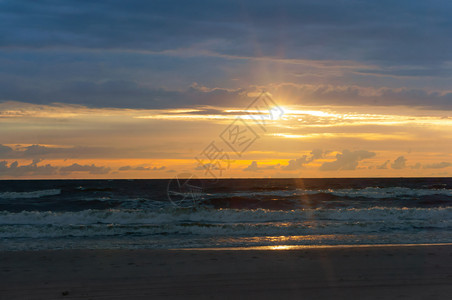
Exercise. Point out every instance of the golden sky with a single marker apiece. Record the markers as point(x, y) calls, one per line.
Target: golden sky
point(68, 141)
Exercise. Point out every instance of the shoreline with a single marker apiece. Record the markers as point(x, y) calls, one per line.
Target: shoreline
point(362, 272)
point(302, 247)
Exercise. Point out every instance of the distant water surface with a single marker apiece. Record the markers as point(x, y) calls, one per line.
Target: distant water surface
point(111, 214)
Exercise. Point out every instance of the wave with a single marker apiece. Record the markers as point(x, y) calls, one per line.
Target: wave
point(226, 216)
point(368, 192)
point(377, 193)
point(329, 198)
point(28, 195)
point(224, 222)
point(190, 228)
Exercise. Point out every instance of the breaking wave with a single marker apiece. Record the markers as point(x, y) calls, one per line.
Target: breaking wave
point(29, 195)
point(221, 222)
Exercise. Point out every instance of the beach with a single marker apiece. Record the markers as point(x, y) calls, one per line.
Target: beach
point(332, 272)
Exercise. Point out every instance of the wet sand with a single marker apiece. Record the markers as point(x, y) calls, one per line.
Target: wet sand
point(395, 272)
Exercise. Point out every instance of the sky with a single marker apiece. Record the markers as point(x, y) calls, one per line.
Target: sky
point(221, 89)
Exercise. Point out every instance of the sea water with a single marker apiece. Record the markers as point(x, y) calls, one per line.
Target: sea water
point(112, 214)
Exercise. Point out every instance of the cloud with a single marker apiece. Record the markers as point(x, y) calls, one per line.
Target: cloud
point(355, 95)
point(124, 94)
point(47, 48)
point(440, 165)
point(416, 166)
point(399, 163)
point(317, 153)
point(297, 164)
point(125, 168)
point(5, 150)
point(39, 151)
point(347, 160)
point(81, 152)
point(91, 169)
point(132, 94)
point(253, 167)
point(34, 150)
point(381, 33)
point(207, 166)
point(384, 165)
point(141, 168)
point(32, 169)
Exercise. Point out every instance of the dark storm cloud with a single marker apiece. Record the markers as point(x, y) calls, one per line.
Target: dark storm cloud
point(85, 52)
point(397, 32)
point(123, 94)
point(128, 94)
point(355, 95)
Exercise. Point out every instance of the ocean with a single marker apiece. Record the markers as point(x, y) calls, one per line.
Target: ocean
point(164, 214)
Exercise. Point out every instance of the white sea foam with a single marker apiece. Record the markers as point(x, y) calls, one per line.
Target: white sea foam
point(222, 215)
point(33, 194)
point(226, 221)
